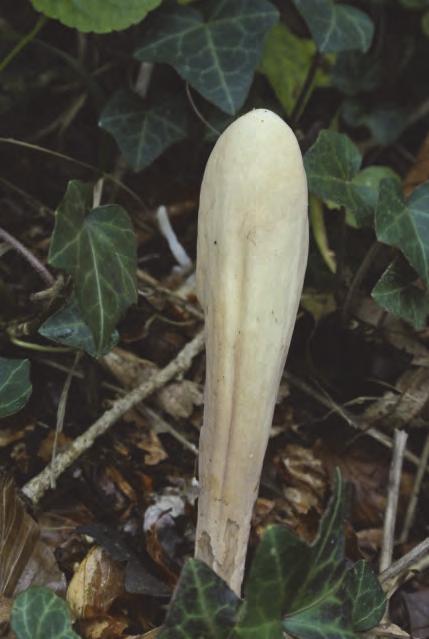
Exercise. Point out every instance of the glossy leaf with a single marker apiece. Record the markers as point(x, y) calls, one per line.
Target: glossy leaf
point(98, 248)
point(398, 293)
point(144, 132)
point(367, 186)
point(332, 164)
point(100, 16)
point(216, 53)
point(15, 385)
point(367, 597)
point(285, 62)
point(38, 613)
point(202, 605)
point(336, 27)
point(404, 224)
point(67, 327)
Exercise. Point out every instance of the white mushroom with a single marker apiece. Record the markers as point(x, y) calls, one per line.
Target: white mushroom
point(251, 260)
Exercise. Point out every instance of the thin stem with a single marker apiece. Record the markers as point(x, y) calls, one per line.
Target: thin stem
point(412, 504)
point(22, 43)
point(198, 112)
point(360, 274)
point(31, 259)
point(306, 89)
point(400, 441)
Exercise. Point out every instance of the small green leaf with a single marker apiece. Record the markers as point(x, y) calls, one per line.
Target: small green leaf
point(100, 16)
point(386, 123)
point(367, 186)
point(15, 385)
point(336, 27)
point(367, 596)
point(144, 132)
point(396, 291)
point(285, 62)
point(217, 54)
point(98, 248)
point(202, 605)
point(405, 224)
point(67, 327)
point(332, 164)
point(38, 613)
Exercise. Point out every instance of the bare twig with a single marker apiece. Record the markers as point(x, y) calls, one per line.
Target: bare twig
point(161, 426)
point(36, 487)
point(411, 510)
point(400, 441)
point(352, 420)
point(61, 412)
point(405, 564)
point(29, 256)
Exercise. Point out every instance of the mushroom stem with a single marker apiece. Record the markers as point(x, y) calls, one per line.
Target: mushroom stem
point(251, 259)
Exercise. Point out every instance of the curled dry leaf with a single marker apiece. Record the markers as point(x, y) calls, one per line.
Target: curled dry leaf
point(102, 628)
point(128, 369)
point(179, 398)
point(97, 582)
point(419, 172)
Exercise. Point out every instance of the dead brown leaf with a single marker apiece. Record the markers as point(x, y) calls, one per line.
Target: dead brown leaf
point(95, 585)
point(419, 172)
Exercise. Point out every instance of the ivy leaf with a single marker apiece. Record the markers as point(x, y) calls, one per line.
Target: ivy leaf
point(15, 385)
point(202, 605)
point(355, 72)
point(332, 164)
point(38, 613)
point(100, 16)
point(404, 224)
point(288, 575)
point(216, 53)
point(285, 62)
point(396, 291)
point(336, 27)
point(67, 327)
point(367, 596)
point(144, 132)
point(98, 248)
point(367, 186)
point(386, 123)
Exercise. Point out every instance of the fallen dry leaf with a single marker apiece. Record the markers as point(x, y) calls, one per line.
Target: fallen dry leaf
point(95, 585)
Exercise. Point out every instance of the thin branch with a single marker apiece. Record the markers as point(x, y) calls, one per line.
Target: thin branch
point(22, 43)
point(405, 564)
point(400, 441)
point(28, 255)
point(360, 274)
point(36, 487)
point(349, 418)
point(306, 89)
point(198, 113)
point(411, 510)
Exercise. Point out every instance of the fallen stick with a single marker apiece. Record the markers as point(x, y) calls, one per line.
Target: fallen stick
point(36, 487)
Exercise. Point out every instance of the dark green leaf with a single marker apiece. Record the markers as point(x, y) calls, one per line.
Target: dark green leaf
point(386, 123)
point(415, 4)
point(356, 72)
point(289, 576)
point(405, 224)
point(331, 165)
point(367, 186)
point(67, 327)
point(98, 248)
point(216, 55)
point(397, 292)
point(100, 16)
point(367, 597)
point(144, 132)
point(285, 62)
point(336, 27)
point(38, 613)
point(15, 385)
point(202, 605)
